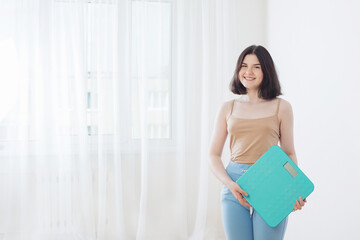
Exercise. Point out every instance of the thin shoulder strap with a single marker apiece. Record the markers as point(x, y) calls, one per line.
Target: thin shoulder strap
point(232, 106)
point(277, 108)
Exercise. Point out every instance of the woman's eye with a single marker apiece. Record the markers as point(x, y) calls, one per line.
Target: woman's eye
point(246, 66)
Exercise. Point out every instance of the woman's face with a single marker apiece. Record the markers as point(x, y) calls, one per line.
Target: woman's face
point(250, 74)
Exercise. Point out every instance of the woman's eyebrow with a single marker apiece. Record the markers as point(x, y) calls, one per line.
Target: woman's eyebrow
point(254, 64)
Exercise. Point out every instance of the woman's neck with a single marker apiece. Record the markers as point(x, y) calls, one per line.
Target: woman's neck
point(252, 96)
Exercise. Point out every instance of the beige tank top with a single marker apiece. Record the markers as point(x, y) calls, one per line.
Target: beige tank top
point(251, 138)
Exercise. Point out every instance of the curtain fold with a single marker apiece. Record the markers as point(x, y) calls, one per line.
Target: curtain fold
point(108, 135)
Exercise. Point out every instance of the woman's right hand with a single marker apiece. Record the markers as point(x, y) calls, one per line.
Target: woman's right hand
point(239, 193)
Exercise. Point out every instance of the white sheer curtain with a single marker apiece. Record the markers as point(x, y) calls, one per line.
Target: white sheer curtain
point(107, 111)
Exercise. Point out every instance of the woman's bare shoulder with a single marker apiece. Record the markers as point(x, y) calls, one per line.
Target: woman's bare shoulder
point(285, 107)
point(225, 109)
point(228, 103)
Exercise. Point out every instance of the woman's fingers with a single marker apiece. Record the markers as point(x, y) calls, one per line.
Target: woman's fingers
point(239, 194)
point(296, 206)
point(302, 202)
point(239, 189)
point(242, 200)
point(299, 204)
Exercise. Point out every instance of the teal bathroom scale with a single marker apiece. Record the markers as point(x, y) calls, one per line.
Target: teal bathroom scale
point(273, 185)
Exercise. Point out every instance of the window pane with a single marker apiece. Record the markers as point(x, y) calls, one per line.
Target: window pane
point(151, 62)
point(100, 37)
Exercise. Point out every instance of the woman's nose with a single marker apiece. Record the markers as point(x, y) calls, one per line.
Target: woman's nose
point(248, 71)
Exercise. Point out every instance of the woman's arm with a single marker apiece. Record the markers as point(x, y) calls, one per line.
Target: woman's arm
point(286, 130)
point(217, 144)
point(287, 139)
point(216, 147)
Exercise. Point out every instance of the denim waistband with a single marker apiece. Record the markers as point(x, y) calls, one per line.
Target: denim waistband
point(238, 166)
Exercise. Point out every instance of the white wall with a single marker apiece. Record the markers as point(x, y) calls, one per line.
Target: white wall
point(316, 48)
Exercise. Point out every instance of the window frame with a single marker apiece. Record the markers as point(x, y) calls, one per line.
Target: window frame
point(128, 144)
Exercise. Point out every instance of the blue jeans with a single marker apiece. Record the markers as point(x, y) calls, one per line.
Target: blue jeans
point(240, 223)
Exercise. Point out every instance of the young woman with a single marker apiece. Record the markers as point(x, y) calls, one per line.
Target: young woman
point(255, 121)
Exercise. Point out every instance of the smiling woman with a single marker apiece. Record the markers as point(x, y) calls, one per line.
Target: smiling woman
point(255, 79)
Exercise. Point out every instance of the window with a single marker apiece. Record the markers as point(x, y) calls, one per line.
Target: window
point(151, 44)
point(151, 62)
point(100, 38)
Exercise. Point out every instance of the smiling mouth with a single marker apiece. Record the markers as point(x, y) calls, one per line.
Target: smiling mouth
point(249, 79)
